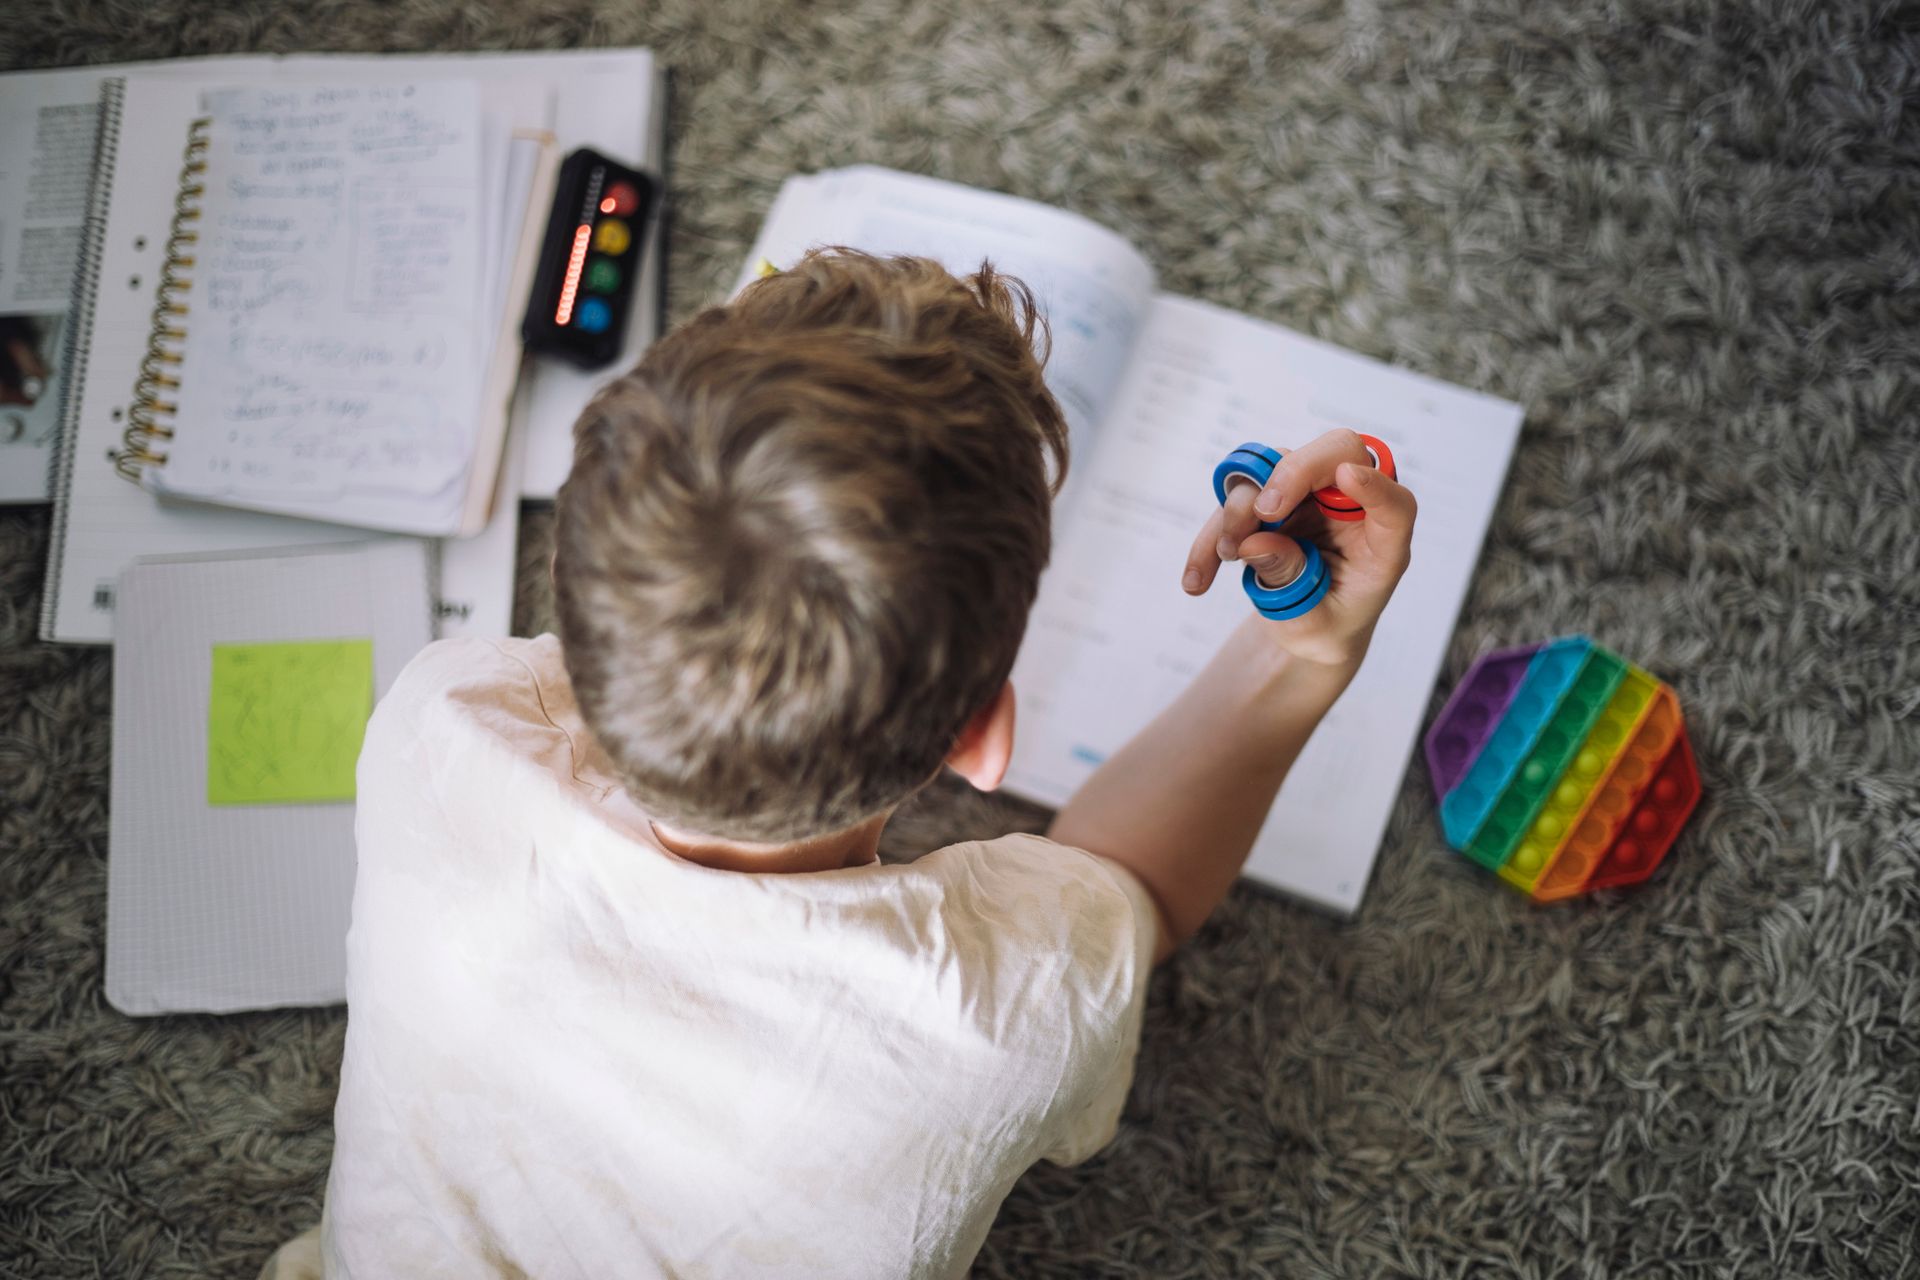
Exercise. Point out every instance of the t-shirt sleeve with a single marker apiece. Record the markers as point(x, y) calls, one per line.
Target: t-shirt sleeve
point(1100, 917)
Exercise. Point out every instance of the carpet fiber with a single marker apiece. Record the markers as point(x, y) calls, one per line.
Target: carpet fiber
point(1685, 233)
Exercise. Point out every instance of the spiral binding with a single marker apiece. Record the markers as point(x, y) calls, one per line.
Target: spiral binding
point(155, 398)
point(77, 345)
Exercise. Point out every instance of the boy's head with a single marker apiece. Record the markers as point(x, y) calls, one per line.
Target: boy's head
point(800, 540)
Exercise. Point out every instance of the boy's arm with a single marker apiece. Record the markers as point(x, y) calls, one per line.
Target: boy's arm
point(1180, 805)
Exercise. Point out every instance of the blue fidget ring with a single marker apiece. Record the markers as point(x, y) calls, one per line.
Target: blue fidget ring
point(1254, 461)
point(1309, 587)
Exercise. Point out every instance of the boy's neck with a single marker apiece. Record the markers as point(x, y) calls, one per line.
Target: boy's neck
point(855, 847)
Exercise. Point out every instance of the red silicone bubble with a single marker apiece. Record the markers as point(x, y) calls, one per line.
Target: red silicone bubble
point(1649, 831)
point(1337, 505)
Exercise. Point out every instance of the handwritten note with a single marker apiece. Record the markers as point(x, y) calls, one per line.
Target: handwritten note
point(335, 338)
point(285, 720)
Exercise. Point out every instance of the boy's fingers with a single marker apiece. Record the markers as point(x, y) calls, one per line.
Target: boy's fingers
point(1390, 509)
point(1276, 558)
point(1306, 523)
point(1307, 468)
point(1203, 559)
point(1236, 519)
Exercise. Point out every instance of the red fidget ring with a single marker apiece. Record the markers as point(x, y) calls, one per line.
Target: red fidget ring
point(1337, 505)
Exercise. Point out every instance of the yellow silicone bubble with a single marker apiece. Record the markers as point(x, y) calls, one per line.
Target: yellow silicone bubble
point(1592, 796)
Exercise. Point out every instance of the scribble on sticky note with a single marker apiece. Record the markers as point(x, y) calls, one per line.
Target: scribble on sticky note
point(285, 720)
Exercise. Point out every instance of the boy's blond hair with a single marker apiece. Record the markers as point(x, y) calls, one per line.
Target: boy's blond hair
point(800, 540)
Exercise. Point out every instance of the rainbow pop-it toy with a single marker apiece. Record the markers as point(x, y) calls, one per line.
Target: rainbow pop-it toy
point(1563, 767)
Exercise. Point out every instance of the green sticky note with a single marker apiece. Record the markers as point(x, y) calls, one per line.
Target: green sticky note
point(285, 720)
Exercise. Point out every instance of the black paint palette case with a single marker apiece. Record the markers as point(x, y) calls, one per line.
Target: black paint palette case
point(589, 262)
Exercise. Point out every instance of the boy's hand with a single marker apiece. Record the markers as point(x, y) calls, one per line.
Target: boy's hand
point(1365, 557)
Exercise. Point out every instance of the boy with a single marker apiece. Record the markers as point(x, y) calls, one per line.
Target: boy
point(629, 993)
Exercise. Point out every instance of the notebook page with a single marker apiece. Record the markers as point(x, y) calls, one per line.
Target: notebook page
point(1113, 638)
point(332, 348)
point(1095, 288)
point(47, 123)
point(476, 573)
point(217, 908)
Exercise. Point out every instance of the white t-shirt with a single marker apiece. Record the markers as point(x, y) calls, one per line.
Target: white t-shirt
point(571, 1053)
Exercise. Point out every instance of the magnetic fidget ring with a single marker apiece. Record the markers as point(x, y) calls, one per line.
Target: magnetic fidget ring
point(1336, 505)
point(1309, 586)
point(1253, 461)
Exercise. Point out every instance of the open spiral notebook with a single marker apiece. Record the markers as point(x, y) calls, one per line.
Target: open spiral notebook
point(612, 99)
point(332, 336)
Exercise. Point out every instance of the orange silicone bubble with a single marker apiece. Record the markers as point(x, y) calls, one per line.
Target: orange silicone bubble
point(1591, 833)
point(1568, 802)
point(1649, 831)
point(1337, 505)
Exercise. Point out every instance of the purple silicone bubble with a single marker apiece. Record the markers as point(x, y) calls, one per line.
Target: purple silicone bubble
point(1473, 713)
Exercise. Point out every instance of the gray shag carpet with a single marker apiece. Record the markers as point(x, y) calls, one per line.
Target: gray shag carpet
point(1686, 233)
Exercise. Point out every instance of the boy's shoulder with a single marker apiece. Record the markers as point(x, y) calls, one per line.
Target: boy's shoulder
point(477, 742)
point(471, 691)
point(472, 671)
point(469, 660)
point(1027, 892)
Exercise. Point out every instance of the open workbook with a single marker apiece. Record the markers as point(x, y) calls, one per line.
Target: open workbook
point(1157, 389)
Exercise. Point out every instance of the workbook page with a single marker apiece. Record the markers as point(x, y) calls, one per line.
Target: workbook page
point(48, 120)
point(332, 351)
point(1114, 639)
point(1094, 288)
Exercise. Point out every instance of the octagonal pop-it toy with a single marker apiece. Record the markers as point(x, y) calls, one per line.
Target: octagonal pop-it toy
point(1563, 767)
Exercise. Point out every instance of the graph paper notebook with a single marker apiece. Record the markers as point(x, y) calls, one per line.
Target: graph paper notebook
point(1157, 389)
point(240, 687)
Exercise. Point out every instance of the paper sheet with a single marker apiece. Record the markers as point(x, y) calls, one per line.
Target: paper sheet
point(334, 347)
point(47, 127)
point(285, 720)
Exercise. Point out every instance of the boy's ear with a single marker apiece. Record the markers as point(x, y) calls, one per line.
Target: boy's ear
point(985, 747)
